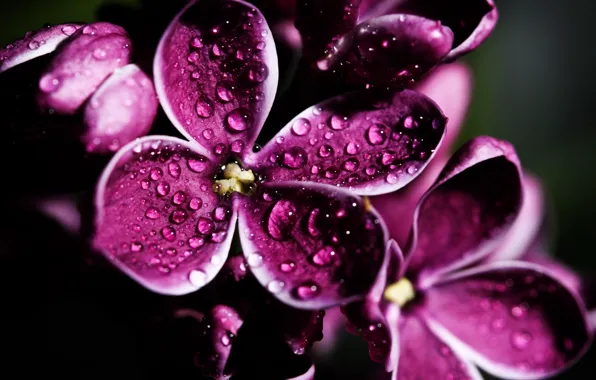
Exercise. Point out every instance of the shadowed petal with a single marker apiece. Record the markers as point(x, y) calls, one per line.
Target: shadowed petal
point(471, 21)
point(450, 87)
point(424, 356)
point(35, 44)
point(375, 319)
point(513, 319)
point(371, 143)
point(321, 22)
point(81, 63)
point(122, 109)
point(300, 328)
point(308, 375)
point(311, 246)
point(463, 216)
point(334, 324)
point(389, 50)
point(216, 74)
point(158, 219)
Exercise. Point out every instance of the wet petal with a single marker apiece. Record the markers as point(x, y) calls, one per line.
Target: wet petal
point(122, 109)
point(463, 217)
point(375, 319)
point(450, 87)
point(424, 356)
point(81, 64)
point(389, 50)
point(507, 318)
point(158, 219)
point(216, 73)
point(371, 143)
point(311, 247)
point(322, 22)
point(308, 375)
point(299, 328)
point(526, 229)
point(334, 324)
point(471, 21)
point(35, 44)
point(221, 327)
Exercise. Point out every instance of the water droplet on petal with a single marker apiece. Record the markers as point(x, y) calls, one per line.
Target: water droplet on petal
point(275, 286)
point(376, 134)
point(350, 165)
point(208, 134)
point(174, 169)
point(238, 120)
point(195, 204)
point(204, 107)
point(152, 213)
point(205, 226)
point(136, 247)
point(168, 233)
point(49, 83)
point(520, 339)
point(323, 256)
point(178, 216)
point(33, 45)
point(156, 174)
point(237, 146)
point(391, 178)
point(254, 260)
point(196, 242)
point(198, 165)
point(221, 213)
point(301, 127)
point(196, 42)
point(307, 291)
point(282, 219)
point(287, 266)
point(325, 151)
point(163, 188)
point(224, 92)
point(197, 277)
point(99, 54)
point(410, 123)
point(68, 30)
point(257, 72)
point(295, 158)
point(339, 123)
point(179, 198)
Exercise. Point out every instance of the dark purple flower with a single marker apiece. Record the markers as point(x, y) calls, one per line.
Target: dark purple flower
point(436, 310)
point(167, 208)
point(390, 41)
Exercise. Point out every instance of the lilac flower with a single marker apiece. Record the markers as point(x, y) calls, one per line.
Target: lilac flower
point(436, 310)
point(167, 208)
point(390, 41)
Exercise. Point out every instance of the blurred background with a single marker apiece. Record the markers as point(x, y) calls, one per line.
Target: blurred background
point(534, 86)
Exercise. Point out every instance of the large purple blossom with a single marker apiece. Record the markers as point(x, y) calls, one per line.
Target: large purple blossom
point(167, 208)
point(439, 308)
point(390, 41)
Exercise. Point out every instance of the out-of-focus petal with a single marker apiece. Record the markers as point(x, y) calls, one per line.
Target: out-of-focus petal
point(216, 74)
point(81, 64)
point(424, 356)
point(122, 109)
point(513, 319)
point(312, 246)
point(369, 142)
point(392, 50)
point(158, 219)
point(450, 86)
point(463, 217)
point(35, 44)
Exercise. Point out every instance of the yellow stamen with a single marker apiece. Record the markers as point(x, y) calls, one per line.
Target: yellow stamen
point(400, 292)
point(236, 180)
point(367, 203)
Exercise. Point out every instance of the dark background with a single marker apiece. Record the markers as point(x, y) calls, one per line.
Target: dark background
point(534, 86)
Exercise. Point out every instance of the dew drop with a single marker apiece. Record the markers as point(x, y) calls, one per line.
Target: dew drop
point(152, 213)
point(219, 149)
point(178, 216)
point(339, 123)
point(225, 340)
point(257, 72)
point(301, 127)
point(307, 290)
point(350, 164)
point(196, 42)
point(325, 151)
point(204, 107)
point(168, 233)
point(156, 174)
point(352, 148)
point(205, 226)
point(197, 165)
point(136, 247)
point(254, 260)
point(223, 92)
point(410, 123)
point(287, 266)
point(331, 172)
point(163, 189)
point(311, 225)
point(323, 257)
point(174, 169)
point(179, 197)
point(520, 339)
point(49, 83)
point(196, 242)
point(195, 204)
point(238, 120)
point(208, 134)
point(99, 54)
point(221, 213)
point(197, 278)
point(68, 30)
point(282, 219)
point(376, 134)
point(295, 158)
point(391, 178)
point(237, 146)
point(33, 45)
point(275, 286)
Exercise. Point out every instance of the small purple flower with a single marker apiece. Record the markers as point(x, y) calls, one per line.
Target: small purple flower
point(167, 208)
point(388, 41)
point(438, 309)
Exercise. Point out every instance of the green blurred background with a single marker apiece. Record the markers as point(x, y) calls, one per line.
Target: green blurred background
point(534, 86)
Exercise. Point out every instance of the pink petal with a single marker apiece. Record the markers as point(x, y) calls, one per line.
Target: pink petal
point(216, 74)
point(158, 219)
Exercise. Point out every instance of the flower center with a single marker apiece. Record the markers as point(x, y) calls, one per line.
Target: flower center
point(235, 179)
point(400, 292)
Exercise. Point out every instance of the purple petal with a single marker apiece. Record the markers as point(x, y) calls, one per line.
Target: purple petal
point(450, 86)
point(64, 210)
point(375, 319)
point(471, 205)
point(158, 219)
point(300, 328)
point(81, 63)
point(308, 375)
point(216, 73)
point(471, 21)
point(322, 22)
point(389, 50)
point(424, 356)
point(122, 109)
point(312, 246)
point(526, 229)
point(507, 317)
point(371, 143)
point(35, 44)
point(221, 327)
point(334, 324)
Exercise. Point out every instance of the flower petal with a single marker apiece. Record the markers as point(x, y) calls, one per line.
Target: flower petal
point(471, 205)
point(389, 50)
point(308, 375)
point(372, 143)
point(158, 219)
point(216, 74)
point(424, 356)
point(81, 63)
point(375, 319)
point(321, 22)
point(507, 318)
point(35, 44)
point(312, 246)
point(300, 328)
point(450, 86)
point(122, 109)
point(471, 21)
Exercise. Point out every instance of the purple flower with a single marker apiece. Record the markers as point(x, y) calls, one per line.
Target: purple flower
point(167, 208)
point(390, 41)
point(437, 309)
